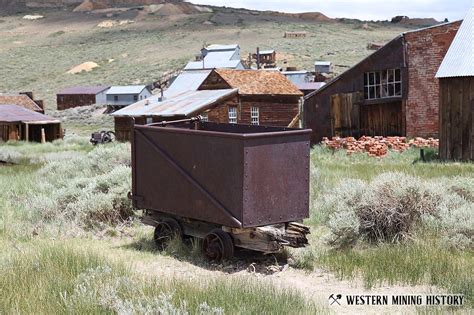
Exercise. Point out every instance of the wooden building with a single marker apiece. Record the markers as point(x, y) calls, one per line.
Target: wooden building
point(265, 58)
point(392, 92)
point(23, 99)
point(295, 34)
point(120, 96)
point(225, 96)
point(264, 97)
point(81, 96)
point(19, 123)
point(456, 100)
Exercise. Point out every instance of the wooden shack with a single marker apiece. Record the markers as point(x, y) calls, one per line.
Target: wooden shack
point(81, 96)
point(456, 99)
point(392, 92)
point(227, 96)
point(295, 34)
point(18, 123)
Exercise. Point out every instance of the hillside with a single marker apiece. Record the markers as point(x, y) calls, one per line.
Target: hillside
point(137, 46)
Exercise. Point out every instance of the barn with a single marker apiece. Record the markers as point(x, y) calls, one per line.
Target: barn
point(120, 96)
point(392, 92)
point(456, 99)
point(20, 123)
point(81, 96)
point(225, 96)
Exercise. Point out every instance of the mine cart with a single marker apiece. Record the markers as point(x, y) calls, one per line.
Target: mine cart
point(230, 185)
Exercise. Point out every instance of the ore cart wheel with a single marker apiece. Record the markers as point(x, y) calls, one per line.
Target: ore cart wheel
point(165, 231)
point(218, 245)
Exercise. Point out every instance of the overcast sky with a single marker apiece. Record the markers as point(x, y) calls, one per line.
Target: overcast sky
point(360, 9)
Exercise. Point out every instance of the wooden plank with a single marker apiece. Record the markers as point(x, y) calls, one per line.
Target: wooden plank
point(466, 120)
point(443, 123)
point(472, 117)
point(456, 96)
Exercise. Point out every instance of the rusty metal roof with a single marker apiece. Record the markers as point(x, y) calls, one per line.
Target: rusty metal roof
point(184, 104)
point(20, 100)
point(259, 82)
point(459, 60)
point(84, 90)
point(10, 113)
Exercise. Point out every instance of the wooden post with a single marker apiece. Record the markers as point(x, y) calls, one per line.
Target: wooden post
point(43, 136)
point(27, 132)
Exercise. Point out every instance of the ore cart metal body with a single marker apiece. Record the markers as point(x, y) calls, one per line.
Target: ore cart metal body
point(211, 181)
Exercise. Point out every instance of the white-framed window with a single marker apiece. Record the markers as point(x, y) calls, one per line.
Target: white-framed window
point(254, 115)
point(204, 117)
point(149, 120)
point(382, 84)
point(232, 115)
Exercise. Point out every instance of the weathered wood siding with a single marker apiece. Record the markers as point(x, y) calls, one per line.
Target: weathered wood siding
point(273, 111)
point(65, 101)
point(457, 119)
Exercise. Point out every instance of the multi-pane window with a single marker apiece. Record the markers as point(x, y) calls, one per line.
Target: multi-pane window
point(204, 117)
point(232, 115)
point(382, 84)
point(254, 115)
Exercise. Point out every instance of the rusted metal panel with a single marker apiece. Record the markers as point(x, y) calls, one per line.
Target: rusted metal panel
point(232, 175)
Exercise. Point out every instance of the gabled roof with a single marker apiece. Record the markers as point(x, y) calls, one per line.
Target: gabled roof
point(258, 82)
point(374, 54)
point(20, 100)
point(267, 52)
point(459, 60)
point(220, 56)
point(184, 104)
point(217, 47)
point(83, 90)
point(15, 114)
point(199, 65)
point(187, 81)
point(322, 63)
point(128, 89)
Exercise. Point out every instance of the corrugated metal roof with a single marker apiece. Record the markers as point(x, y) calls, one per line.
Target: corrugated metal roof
point(14, 114)
point(219, 56)
point(267, 52)
point(259, 82)
point(184, 104)
point(187, 81)
point(459, 60)
point(215, 47)
point(310, 86)
point(199, 65)
point(20, 100)
point(84, 90)
point(128, 89)
point(322, 63)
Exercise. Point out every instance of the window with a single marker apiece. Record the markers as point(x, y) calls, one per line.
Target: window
point(254, 115)
point(135, 98)
point(149, 120)
point(116, 98)
point(204, 117)
point(382, 84)
point(232, 115)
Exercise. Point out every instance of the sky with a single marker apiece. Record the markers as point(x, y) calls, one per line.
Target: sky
point(359, 9)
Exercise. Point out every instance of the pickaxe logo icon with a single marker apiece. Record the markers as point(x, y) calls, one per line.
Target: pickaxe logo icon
point(335, 299)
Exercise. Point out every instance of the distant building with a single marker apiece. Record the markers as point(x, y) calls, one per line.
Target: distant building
point(295, 34)
point(392, 92)
point(81, 96)
point(310, 87)
point(119, 96)
point(23, 99)
point(297, 77)
point(21, 123)
point(456, 97)
point(217, 56)
point(265, 58)
point(322, 67)
point(226, 96)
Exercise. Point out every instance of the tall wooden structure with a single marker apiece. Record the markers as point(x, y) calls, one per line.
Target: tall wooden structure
point(456, 101)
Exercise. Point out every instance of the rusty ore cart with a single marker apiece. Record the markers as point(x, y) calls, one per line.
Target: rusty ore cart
point(228, 184)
